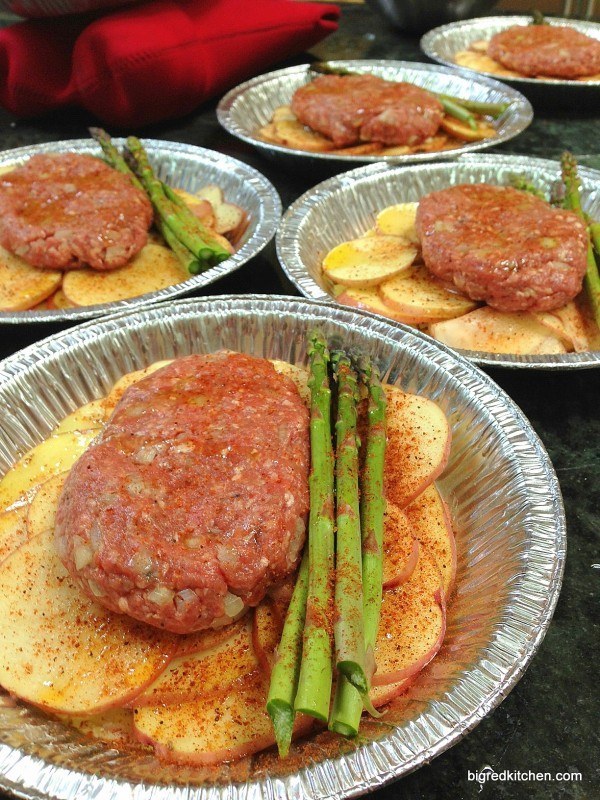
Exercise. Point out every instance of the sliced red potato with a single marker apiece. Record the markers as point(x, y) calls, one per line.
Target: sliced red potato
point(155, 267)
point(202, 208)
point(13, 530)
point(207, 672)
point(228, 216)
point(399, 220)
point(369, 261)
point(266, 633)
point(22, 286)
point(88, 417)
point(481, 62)
point(431, 524)
point(298, 374)
point(369, 299)
point(193, 643)
point(420, 298)
point(418, 445)
point(114, 726)
point(127, 380)
point(400, 547)
point(412, 627)
point(61, 651)
point(292, 133)
point(41, 514)
point(569, 325)
point(211, 730)
point(492, 331)
point(461, 130)
point(55, 454)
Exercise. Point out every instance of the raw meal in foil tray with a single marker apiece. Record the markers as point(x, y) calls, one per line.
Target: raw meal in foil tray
point(538, 50)
point(482, 267)
point(78, 230)
point(227, 553)
point(348, 113)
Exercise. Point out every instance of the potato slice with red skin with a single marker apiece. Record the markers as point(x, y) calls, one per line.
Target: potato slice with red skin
point(117, 391)
point(55, 454)
point(42, 509)
point(192, 643)
point(494, 331)
point(421, 298)
point(400, 547)
point(92, 415)
point(432, 525)
point(61, 651)
point(418, 445)
point(115, 726)
point(13, 530)
point(22, 286)
point(369, 260)
point(413, 623)
point(368, 298)
point(207, 672)
point(399, 220)
point(212, 730)
point(266, 633)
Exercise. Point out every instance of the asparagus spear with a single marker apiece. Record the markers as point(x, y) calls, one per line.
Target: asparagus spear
point(522, 183)
point(348, 627)
point(189, 232)
point(284, 677)
point(316, 672)
point(479, 106)
point(572, 201)
point(348, 703)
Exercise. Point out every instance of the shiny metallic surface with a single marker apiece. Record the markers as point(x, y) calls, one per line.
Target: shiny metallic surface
point(187, 167)
point(441, 44)
point(504, 499)
point(345, 206)
point(416, 16)
point(245, 109)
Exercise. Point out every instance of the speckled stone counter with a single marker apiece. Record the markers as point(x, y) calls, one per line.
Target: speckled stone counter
point(549, 723)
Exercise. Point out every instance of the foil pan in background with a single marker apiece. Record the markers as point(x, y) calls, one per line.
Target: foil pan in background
point(441, 44)
point(186, 167)
point(249, 106)
point(345, 206)
point(504, 499)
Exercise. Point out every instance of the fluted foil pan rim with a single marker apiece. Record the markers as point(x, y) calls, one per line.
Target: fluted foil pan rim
point(264, 206)
point(291, 234)
point(440, 42)
point(271, 85)
point(510, 525)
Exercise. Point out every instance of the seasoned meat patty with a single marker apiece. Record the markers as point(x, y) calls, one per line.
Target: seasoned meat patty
point(555, 51)
point(364, 108)
point(504, 246)
point(66, 210)
point(193, 501)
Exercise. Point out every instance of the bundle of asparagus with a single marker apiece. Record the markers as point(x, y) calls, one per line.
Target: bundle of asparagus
point(340, 577)
point(192, 242)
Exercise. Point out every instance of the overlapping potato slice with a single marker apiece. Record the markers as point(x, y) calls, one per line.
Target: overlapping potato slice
point(431, 524)
point(400, 547)
point(41, 514)
point(369, 260)
point(229, 218)
point(55, 454)
point(210, 671)
point(494, 331)
point(13, 530)
point(298, 374)
point(461, 130)
point(155, 267)
point(115, 725)
point(418, 445)
point(420, 298)
point(399, 220)
point(23, 286)
point(211, 730)
point(90, 416)
point(481, 62)
point(413, 623)
point(369, 299)
point(571, 326)
point(61, 651)
point(120, 386)
point(266, 633)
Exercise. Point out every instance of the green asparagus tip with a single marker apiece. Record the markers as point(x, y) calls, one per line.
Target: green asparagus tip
point(282, 717)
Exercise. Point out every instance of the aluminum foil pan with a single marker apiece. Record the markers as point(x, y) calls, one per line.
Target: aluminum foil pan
point(507, 512)
point(441, 44)
point(249, 106)
point(345, 206)
point(187, 167)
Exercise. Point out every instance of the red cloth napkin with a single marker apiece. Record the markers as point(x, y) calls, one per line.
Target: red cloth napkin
point(152, 62)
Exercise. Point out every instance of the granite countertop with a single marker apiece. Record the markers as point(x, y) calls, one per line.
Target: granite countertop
point(549, 722)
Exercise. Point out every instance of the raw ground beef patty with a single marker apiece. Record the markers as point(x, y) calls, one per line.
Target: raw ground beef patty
point(555, 51)
point(504, 246)
point(194, 499)
point(67, 210)
point(364, 108)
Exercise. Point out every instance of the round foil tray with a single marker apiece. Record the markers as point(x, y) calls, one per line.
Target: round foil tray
point(249, 106)
point(186, 167)
point(441, 44)
point(504, 499)
point(345, 206)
